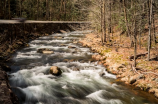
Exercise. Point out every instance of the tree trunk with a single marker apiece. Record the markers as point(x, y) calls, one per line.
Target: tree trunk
point(47, 10)
point(101, 22)
point(20, 8)
point(104, 23)
point(150, 20)
point(126, 21)
point(101, 10)
point(4, 9)
point(153, 22)
point(135, 39)
point(109, 20)
point(37, 10)
point(9, 17)
point(64, 3)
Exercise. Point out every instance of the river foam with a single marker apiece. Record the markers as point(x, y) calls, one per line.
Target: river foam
point(82, 81)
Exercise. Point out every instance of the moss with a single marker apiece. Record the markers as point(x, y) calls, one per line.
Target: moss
point(126, 63)
point(118, 58)
point(105, 51)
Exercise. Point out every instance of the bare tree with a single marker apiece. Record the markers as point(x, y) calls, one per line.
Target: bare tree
point(150, 21)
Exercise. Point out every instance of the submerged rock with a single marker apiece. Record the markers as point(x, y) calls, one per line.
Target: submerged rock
point(75, 69)
point(71, 47)
point(45, 51)
point(54, 70)
point(102, 73)
point(62, 31)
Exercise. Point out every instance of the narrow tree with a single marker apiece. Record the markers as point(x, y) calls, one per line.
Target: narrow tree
point(150, 21)
point(104, 23)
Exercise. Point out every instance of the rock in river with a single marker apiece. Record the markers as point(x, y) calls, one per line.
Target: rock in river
point(71, 47)
point(45, 51)
point(54, 70)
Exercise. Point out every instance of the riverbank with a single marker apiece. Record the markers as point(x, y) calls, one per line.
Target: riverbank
point(16, 36)
point(6, 94)
point(117, 59)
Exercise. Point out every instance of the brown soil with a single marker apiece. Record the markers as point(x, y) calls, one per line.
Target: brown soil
point(115, 56)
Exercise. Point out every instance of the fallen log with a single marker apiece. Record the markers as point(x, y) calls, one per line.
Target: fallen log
point(137, 56)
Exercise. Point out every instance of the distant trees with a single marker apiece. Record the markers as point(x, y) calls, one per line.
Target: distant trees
point(131, 16)
point(43, 9)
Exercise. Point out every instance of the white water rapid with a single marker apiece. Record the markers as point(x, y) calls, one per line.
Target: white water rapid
point(33, 84)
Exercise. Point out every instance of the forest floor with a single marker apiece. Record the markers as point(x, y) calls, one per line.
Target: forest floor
point(117, 57)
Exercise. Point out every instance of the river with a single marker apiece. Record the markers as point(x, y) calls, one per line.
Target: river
point(31, 81)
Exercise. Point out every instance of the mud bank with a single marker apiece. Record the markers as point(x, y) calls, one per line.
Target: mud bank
point(116, 64)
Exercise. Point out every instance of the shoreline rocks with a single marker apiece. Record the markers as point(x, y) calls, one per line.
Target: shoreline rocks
point(122, 69)
point(6, 94)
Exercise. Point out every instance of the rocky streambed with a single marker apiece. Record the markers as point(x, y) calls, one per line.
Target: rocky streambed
point(117, 63)
point(56, 69)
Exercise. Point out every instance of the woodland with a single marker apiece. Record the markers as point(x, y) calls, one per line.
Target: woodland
point(126, 28)
point(134, 18)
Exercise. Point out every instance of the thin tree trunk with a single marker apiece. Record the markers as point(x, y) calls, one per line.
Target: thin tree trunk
point(153, 22)
point(101, 12)
point(47, 10)
point(37, 10)
point(150, 20)
point(140, 32)
point(9, 9)
point(1, 9)
point(20, 8)
point(104, 24)
point(4, 9)
point(135, 39)
point(127, 26)
point(64, 3)
point(109, 20)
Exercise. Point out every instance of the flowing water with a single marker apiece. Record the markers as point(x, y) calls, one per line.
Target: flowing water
point(32, 83)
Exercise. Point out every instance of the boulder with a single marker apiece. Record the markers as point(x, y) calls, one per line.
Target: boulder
point(63, 45)
point(71, 47)
point(156, 93)
point(101, 73)
point(75, 69)
point(54, 70)
point(45, 51)
point(132, 80)
point(48, 52)
point(62, 31)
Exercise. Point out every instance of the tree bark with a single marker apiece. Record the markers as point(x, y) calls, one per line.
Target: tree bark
point(153, 22)
point(104, 23)
point(9, 17)
point(126, 21)
point(47, 10)
point(135, 39)
point(150, 20)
